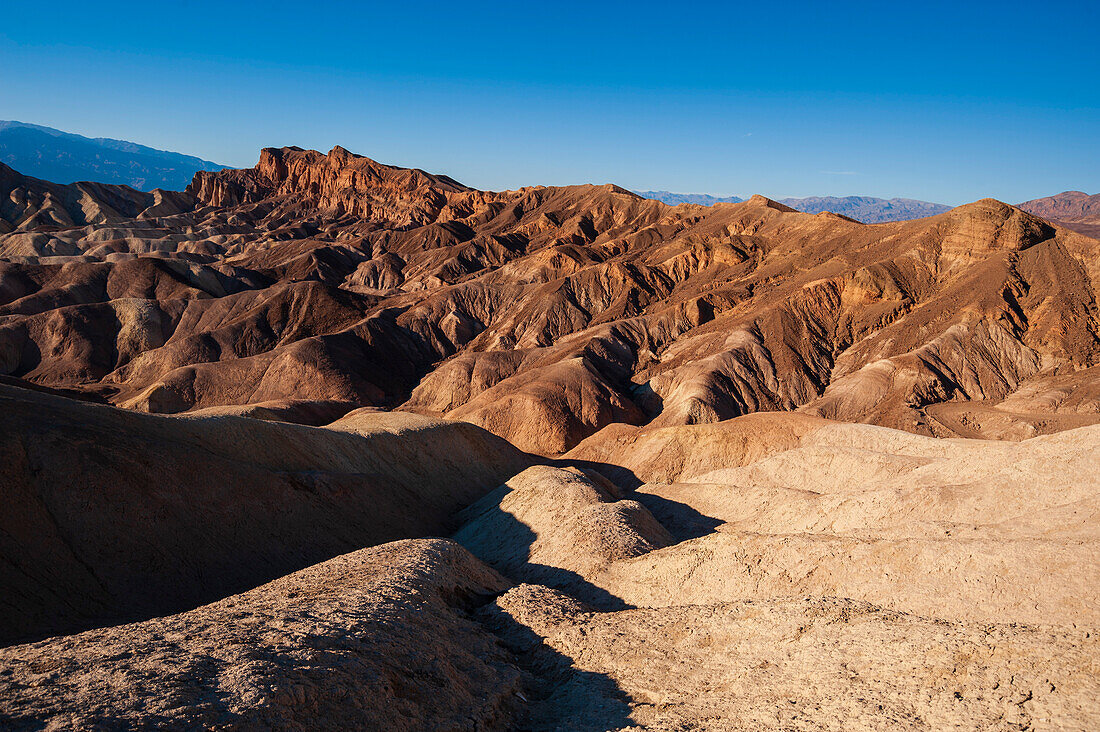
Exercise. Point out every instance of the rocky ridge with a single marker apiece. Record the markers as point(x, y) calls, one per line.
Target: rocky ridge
point(544, 314)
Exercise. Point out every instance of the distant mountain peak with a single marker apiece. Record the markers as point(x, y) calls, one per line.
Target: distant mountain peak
point(1066, 206)
point(1076, 210)
point(64, 157)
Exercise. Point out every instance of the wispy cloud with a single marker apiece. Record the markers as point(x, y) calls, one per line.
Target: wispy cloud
point(839, 172)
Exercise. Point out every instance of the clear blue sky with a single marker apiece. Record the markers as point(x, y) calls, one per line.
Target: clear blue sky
point(947, 102)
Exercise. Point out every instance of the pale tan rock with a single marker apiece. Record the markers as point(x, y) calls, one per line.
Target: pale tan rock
point(855, 577)
point(376, 639)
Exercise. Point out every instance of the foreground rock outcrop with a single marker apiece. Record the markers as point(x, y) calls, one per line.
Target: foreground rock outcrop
point(376, 639)
point(846, 577)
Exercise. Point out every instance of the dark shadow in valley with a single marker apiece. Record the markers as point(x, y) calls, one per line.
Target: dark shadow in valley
point(624, 478)
point(575, 585)
point(681, 520)
point(504, 543)
point(558, 694)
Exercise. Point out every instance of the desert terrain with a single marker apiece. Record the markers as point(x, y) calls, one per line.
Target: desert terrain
point(331, 444)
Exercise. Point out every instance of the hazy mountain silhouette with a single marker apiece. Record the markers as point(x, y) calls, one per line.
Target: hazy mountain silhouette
point(864, 209)
point(867, 209)
point(675, 199)
point(62, 157)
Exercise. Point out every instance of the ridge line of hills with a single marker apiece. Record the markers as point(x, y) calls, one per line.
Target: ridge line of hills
point(395, 282)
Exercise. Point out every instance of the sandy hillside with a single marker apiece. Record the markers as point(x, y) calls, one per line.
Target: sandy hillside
point(852, 577)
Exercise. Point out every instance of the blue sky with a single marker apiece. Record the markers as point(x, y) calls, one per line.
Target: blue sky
point(948, 102)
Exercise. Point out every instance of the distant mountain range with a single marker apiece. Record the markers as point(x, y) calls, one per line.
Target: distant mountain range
point(1073, 209)
point(861, 208)
point(867, 209)
point(675, 199)
point(62, 157)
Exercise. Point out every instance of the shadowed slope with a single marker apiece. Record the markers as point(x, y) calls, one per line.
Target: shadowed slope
point(28, 203)
point(109, 515)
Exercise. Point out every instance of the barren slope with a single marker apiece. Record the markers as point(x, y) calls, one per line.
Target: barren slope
point(109, 515)
point(798, 574)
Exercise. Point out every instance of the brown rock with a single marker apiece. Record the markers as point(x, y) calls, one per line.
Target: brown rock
point(542, 314)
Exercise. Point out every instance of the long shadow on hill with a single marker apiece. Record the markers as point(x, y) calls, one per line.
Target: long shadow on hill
point(83, 396)
point(559, 694)
point(504, 542)
point(573, 584)
point(617, 474)
point(681, 520)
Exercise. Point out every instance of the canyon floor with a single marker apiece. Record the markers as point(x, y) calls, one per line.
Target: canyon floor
point(330, 444)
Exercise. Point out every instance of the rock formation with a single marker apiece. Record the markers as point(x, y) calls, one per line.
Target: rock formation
point(723, 467)
point(543, 314)
point(376, 639)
